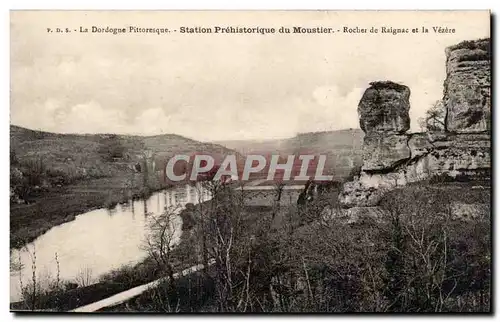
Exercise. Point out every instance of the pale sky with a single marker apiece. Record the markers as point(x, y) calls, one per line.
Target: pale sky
point(221, 87)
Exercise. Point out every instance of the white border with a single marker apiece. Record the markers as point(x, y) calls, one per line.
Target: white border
point(256, 4)
point(190, 5)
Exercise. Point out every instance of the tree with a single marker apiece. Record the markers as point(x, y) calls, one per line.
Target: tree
point(434, 119)
point(111, 148)
point(13, 157)
point(160, 240)
point(159, 245)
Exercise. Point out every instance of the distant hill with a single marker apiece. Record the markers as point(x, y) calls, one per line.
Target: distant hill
point(74, 152)
point(342, 148)
point(92, 155)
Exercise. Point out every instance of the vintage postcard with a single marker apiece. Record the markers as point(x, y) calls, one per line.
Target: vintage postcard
point(250, 161)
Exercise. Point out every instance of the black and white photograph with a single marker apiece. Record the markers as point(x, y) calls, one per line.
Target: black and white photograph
point(284, 161)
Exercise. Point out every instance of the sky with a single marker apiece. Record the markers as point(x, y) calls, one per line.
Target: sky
point(221, 87)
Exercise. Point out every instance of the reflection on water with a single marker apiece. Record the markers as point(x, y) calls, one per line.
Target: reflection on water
point(98, 241)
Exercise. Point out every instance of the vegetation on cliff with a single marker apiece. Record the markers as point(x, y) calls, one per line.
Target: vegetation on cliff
point(418, 259)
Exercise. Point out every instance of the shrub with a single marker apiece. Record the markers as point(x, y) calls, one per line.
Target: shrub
point(13, 158)
point(443, 178)
point(57, 177)
point(354, 173)
point(111, 148)
point(440, 178)
point(473, 44)
point(33, 169)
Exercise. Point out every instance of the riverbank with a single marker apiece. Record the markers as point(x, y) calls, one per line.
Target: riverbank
point(116, 281)
point(183, 256)
point(59, 205)
point(322, 266)
point(197, 292)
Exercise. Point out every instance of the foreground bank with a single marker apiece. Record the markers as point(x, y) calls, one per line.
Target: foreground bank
point(111, 283)
point(58, 205)
point(431, 252)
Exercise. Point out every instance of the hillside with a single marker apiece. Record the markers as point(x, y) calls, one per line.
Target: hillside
point(64, 151)
point(54, 177)
point(342, 148)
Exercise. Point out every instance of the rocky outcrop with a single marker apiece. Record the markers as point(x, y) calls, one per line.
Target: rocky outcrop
point(430, 155)
point(467, 87)
point(384, 108)
point(384, 116)
point(393, 159)
point(382, 151)
point(354, 215)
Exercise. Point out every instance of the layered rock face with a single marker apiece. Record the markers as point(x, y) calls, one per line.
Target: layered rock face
point(467, 87)
point(384, 117)
point(447, 154)
point(392, 158)
point(384, 108)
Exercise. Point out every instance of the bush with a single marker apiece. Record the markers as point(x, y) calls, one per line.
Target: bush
point(443, 178)
point(473, 44)
point(354, 173)
point(436, 261)
point(111, 148)
point(34, 170)
point(440, 178)
point(57, 177)
point(13, 158)
point(388, 85)
point(18, 185)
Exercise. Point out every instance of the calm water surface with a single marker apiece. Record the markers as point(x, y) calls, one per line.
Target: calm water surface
point(98, 241)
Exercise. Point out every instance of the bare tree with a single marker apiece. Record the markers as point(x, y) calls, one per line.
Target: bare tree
point(160, 240)
point(222, 238)
point(84, 277)
point(159, 245)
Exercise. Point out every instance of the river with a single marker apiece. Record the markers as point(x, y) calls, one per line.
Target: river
point(97, 241)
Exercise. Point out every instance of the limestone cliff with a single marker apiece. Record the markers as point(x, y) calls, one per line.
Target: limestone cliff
point(467, 87)
point(392, 158)
point(428, 154)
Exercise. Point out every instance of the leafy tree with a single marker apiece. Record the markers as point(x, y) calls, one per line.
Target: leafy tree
point(434, 119)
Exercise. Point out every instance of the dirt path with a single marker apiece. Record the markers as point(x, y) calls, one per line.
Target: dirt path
point(134, 292)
